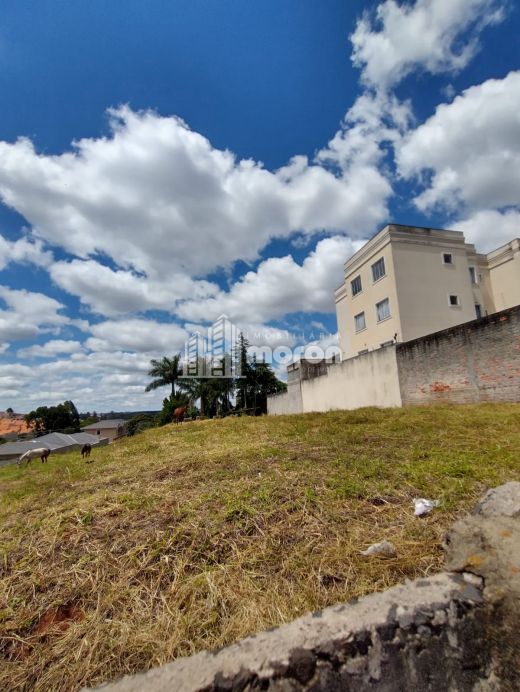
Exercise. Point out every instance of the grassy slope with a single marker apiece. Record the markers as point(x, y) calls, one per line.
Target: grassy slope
point(192, 537)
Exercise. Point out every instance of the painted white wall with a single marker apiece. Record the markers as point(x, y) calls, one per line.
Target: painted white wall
point(368, 380)
point(287, 402)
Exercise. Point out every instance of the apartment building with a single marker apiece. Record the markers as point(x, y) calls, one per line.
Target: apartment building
point(407, 282)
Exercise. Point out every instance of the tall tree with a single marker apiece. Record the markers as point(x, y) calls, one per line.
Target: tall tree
point(214, 393)
point(166, 372)
point(244, 384)
point(47, 419)
point(265, 384)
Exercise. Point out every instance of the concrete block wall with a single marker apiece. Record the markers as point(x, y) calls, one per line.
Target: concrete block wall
point(453, 631)
point(475, 361)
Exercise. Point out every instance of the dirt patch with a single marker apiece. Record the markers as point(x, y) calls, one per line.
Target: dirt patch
point(58, 619)
point(13, 425)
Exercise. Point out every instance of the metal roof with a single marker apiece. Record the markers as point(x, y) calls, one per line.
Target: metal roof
point(52, 441)
point(113, 423)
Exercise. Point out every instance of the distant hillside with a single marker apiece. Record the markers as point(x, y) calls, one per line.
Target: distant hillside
point(12, 424)
point(190, 537)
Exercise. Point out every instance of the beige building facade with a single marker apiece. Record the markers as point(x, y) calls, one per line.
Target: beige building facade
point(407, 282)
point(109, 429)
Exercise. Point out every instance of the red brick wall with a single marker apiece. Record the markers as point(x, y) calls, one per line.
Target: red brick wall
point(476, 361)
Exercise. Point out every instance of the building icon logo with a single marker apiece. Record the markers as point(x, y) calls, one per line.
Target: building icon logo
point(214, 355)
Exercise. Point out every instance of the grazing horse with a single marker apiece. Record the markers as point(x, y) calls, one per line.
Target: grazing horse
point(42, 452)
point(85, 450)
point(178, 414)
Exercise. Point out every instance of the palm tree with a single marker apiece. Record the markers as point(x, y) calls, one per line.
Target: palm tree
point(166, 372)
point(214, 393)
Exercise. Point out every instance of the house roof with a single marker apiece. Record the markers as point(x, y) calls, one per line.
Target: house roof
point(52, 441)
point(100, 425)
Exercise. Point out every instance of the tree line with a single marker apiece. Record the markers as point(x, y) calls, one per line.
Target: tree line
point(216, 396)
point(61, 418)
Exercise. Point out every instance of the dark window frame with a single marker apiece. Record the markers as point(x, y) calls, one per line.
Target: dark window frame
point(376, 267)
point(356, 285)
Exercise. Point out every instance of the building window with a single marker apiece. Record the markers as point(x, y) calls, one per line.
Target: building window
point(359, 321)
point(356, 285)
point(447, 258)
point(383, 310)
point(478, 311)
point(378, 269)
point(473, 275)
point(454, 300)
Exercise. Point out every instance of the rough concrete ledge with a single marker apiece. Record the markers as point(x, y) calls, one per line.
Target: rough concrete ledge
point(396, 635)
point(455, 631)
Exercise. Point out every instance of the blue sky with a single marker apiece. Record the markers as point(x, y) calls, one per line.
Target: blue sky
point(167, 161)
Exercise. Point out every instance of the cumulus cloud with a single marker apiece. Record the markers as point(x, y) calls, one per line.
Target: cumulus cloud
point(427, 34)
point(100, 381)
point(28, 314)
point(490, 228)
point(470, 147)
point(50, 349)
point(157, 197)
point(115, 292)
point(357, 148)
point(141, 335)
point(23, 250)
point(280, 286)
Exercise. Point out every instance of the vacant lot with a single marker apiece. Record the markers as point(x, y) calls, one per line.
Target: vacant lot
point(193, 536)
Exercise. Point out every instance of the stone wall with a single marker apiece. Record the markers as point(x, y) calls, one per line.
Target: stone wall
point(476, 361)
point(453, 631)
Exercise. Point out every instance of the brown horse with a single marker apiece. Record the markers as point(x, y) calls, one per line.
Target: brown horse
point(178, 414)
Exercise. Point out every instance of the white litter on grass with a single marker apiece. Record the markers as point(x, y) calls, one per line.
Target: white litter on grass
point(424, 506)
point(385, 549)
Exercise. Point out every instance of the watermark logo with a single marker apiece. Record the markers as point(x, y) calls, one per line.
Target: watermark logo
point(216, 354)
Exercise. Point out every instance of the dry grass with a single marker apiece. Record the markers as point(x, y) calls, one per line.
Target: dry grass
point(191, 537)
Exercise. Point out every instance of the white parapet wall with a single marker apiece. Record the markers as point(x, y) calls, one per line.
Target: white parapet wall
point(287, 402)
point(370, 379)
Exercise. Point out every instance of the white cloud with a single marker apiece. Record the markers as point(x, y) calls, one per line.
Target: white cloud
point(373, 119)
point(50, 349)
point(144, 336)
point(490, 228)
point(427, 34)
point(114, 292)
point(280, 286)
point(100, 381)
point(471, 147)
point(157, 197)
point(23, 250)
point(28, 314)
